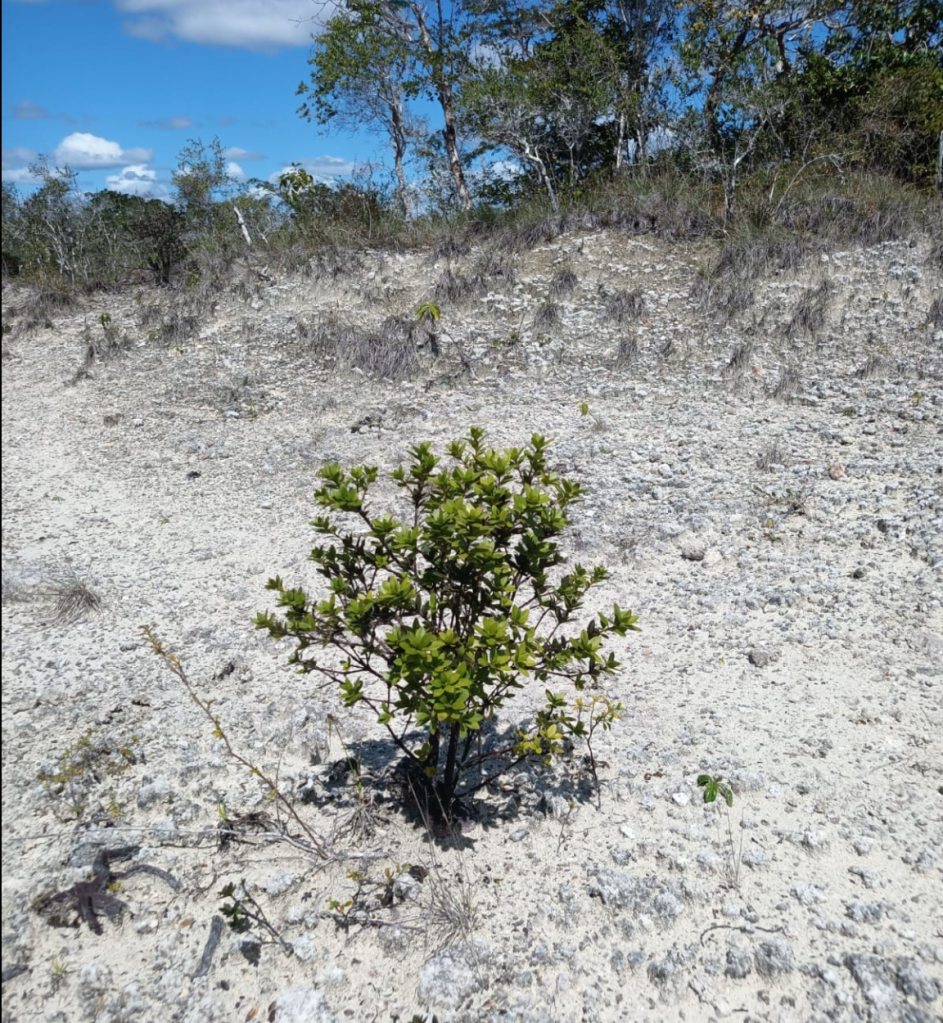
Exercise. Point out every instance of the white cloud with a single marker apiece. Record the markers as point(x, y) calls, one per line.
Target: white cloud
point(16, 161)
point(265, 25)
point(20, 176)
point(238, 153)
point(321, 168)
point(83, 151)
point(234, 171)
point(137, 179)
point(179, 123)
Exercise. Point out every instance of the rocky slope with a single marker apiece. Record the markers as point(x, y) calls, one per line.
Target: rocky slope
point(762, 454)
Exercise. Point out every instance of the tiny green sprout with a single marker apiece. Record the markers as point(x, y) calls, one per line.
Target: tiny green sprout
point(222, 811)
point(917, 397)
point(712, 785)
point(584, 408)
point(163, 521)
point(428, 311)
point(105, 320)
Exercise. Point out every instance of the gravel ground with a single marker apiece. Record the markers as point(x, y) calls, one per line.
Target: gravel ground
point(762, 456)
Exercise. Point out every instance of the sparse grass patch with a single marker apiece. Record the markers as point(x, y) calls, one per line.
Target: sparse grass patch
point(727, 286)
point(873, 366)
point(43, 305)
point(84, 764)
point(773, 454)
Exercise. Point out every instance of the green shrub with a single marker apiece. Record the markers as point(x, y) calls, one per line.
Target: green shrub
point(441, 618)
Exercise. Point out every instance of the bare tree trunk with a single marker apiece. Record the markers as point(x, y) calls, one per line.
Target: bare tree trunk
point(443, 88)
point(451, 145)
point(620, 142)
point(939, 163)
point(242, 224)
point(534, 156)
point(399, 151)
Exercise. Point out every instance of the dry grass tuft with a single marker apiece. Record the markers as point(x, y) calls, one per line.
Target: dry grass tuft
point(739, 359)
point(772, 455)
point(331, 262)
point(562, 283)
point(493, 264)
point(74, 597)
point(624, 306)
point(452, 915)
point(628, 351)
point(448, 247)
point(389, 351)
point(457, 288)
point(873, 366)
point(787, 385)
point(808, 316)
point(546, 316)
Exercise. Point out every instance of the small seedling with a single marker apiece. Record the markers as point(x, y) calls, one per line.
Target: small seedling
point(57, 974)
point(714, 786)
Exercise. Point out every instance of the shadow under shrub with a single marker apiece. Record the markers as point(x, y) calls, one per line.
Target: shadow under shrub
point(441, 617)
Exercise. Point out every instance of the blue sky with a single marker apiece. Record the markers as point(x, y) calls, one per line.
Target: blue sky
point(116, 88)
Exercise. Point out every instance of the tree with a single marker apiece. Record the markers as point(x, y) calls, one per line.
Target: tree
point(357, 80)
point(201, 182)
point(877, 79)
point(439, 618)
point(729, 49)
point(638, 34)
point(504, 108)
point(433, 38)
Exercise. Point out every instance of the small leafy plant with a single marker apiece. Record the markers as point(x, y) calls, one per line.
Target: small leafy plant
point(441, 617)
point(242, 913)
point(84, 764)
